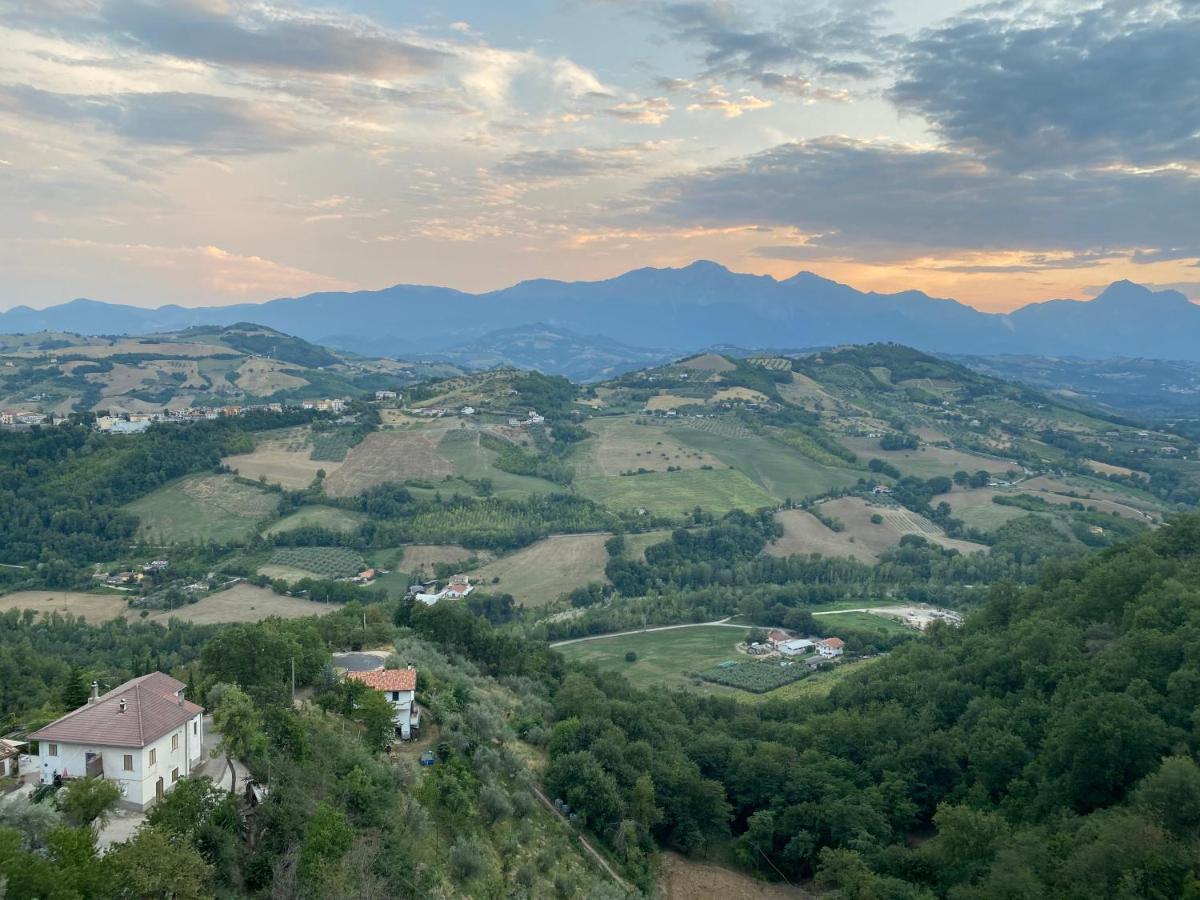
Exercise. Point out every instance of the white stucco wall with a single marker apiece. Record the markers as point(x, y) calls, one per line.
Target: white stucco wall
point(139, 786)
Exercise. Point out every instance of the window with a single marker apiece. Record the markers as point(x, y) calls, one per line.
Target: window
point(195, 728)
point(395, 695)
point(174, 742)
point(153, 756)
point(52, 750)
point(128, 762)
point(174, 775)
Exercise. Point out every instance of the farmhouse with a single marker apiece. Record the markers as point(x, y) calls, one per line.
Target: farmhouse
point(385, 395)
point(795, 647)
point(459, 586)
point(399, 688)
point(144, 735)
point(831, 647)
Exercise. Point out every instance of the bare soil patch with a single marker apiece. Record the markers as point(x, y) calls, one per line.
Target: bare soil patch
point(390, 456)
point(739, 393)
point(670, 401)
point(686, 879)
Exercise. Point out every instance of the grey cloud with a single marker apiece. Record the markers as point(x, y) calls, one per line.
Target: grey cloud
point(246, 35)
point(1116, 83)
point(575, 162)
point(877, 198)
point(842, 38)
point(202, 123)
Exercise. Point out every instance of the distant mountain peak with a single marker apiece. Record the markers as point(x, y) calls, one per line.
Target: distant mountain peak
point(1125, 293)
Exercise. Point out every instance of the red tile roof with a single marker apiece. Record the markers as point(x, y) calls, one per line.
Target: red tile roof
point(387, 679)
point(152, 709)
point(835, 643)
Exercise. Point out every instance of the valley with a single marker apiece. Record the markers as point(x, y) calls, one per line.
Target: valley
point(766, 539)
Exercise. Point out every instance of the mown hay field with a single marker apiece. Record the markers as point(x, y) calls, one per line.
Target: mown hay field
point(621, 445)
point(389, 456)
point(283, 457)
point(676, 493)
point(541, 572)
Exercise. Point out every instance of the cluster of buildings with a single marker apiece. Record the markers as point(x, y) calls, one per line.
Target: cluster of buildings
point(22, 417)
point(429, 594)
point(119, 579)
point(782, 643)
point(531, 419)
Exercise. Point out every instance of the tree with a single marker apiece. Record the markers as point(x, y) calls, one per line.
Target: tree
point(328, 838)
point(1171, 796)
point(237, 720)
point(153, 866)
point(89, 800)
point(75, 690)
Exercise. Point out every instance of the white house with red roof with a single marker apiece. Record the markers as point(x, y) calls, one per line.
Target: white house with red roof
point(458, 586)
point(144, 735)
point(399, 687)
point(831, 647)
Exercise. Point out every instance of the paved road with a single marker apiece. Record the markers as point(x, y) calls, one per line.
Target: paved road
point(597, 637)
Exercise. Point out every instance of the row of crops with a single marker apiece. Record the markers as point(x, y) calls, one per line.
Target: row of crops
point(332, 446)
point(326, 562)
point(755, 677)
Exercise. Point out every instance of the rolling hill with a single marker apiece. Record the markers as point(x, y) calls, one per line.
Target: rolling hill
point(701, 305)
point(64, 372)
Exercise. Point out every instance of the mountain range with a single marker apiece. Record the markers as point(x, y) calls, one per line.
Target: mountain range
point(669, 310)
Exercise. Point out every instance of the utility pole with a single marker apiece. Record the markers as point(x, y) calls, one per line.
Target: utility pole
point(293, 681)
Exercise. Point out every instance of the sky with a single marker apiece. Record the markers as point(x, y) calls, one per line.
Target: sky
point(207, 152)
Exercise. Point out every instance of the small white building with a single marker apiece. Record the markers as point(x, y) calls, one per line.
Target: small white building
point(831, 647)
point(399, 687)
point(10, 757)
point(144, 735)
point(795, 647)
point(385, 395)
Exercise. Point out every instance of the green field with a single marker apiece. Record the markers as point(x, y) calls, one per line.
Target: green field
point(817, 685)
point(779, 470)
point(675, 493)
point(636, 544)
point(326, 517)
point(863, 621)
point(202, 508)
point(313, 562)
point(663, 657)
point(473, 461)
point(541, 572)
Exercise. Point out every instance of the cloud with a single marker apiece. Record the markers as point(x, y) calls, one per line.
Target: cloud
point(574, 163)
point(1114, 83)
point(887, 199)
point(201, 123)
point(842, 39)
point(267, 37)
point(718, 98)
point(647, 111)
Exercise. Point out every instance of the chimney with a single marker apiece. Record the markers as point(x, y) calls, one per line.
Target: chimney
point(179, 694)
point(121, 707)
point(95, 692)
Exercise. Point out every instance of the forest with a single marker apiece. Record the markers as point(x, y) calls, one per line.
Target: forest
point(1046, 748)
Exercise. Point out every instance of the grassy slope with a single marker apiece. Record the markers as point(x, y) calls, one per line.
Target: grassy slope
point(663, 656)
point(327, 517)
point(675, 493)
point(202, 508)
point(539, 573)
